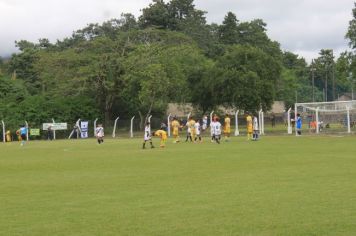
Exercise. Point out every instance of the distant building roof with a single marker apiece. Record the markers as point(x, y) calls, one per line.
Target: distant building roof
point(347, 97)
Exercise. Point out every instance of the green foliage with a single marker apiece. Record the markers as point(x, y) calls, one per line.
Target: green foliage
point(229, 31)
point(170, 54)
point(246, 78)
point(351, 33)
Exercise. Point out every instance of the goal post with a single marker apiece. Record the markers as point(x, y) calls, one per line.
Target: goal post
point(338, 117)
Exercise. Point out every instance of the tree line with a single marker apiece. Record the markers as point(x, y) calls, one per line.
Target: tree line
point(136, 66)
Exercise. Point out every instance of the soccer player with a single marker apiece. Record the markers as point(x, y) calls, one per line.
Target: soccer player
point(191, 125)
point(189, 134)
point(18, 134)
point(23, 134)
point(147, 136)
point(227, 128)
point(255, 128)
point(197, 131)
point(249, 126)
point(212, 124)
point(163, 135)
point(299, 125)
point(8, 136)
point(99, 133)
point(175, 127)
point(217, 130)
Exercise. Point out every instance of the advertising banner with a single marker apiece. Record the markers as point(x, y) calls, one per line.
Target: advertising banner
point(55, 126)
point(84, 125)
point(35, 132)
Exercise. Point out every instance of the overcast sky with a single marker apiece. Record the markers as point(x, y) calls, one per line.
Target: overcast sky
point(301, 26)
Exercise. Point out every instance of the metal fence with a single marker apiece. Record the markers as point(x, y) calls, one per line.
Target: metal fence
point(274, 124)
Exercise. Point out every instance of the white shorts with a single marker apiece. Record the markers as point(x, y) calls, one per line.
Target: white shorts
point(147, 137)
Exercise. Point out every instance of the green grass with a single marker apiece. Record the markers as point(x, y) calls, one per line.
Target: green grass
point(277, 186)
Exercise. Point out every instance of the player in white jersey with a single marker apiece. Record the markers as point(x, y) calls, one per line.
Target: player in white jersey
point(197, 131)
point(147, 136)
point(99, 133)
point(217, 130)
point(212, 124)
point(189, 133)
point(255, 129)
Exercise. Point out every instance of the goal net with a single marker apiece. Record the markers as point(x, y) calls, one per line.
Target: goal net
point(327, 117)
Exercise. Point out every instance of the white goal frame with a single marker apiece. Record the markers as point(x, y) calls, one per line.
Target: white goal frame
point(327, 107)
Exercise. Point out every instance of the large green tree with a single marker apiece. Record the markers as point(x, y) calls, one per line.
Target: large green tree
point(246, 77)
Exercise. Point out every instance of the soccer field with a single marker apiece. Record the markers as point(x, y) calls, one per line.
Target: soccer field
point(276, 186)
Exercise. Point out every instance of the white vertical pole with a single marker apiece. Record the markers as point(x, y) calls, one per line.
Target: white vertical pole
point(79, 128)
point(114, 130)
point(317, 120)
point(295, 119)
point(290, 130)
point(237, 132)
point(169, 125)
point(96, 120)
point(260, 121)
point(211, 120)
point(77, 124)
point(3, 131)
point(263, 122)
point(149, 121)
point(211, 116)
point(54, 131)
point(26, 130)
point(131, 127)
point(348, 120)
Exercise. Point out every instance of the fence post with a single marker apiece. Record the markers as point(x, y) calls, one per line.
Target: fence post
point(96, 120)
point(54, 131)
point(260, 121)
point(76, 124)
point(348, 121)
point(26, 130)
point(131, 127)
point(169, 125)
point(149, 121)
point(263, 122)
point(114, 130)
point(211, 120)
point(3, 132)
point(237, 132)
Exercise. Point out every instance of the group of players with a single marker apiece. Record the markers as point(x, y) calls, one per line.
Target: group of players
point(196, 127)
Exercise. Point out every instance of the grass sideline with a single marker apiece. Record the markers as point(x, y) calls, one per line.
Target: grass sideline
point(277, 186)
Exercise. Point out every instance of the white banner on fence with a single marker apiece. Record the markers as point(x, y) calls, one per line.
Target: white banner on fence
point(84, 125)
point(55, 126)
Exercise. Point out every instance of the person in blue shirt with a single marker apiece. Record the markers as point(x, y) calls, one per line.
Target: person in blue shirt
point(299, 124)
point(23, 133)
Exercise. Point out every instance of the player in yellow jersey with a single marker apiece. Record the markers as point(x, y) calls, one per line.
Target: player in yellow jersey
point(8, 136)
point(175, 128)
point(249, 126)
point(163, 135)
point(191, 126)
point(227, 128)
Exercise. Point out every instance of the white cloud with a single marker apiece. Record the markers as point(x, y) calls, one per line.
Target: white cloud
point(301, 26)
